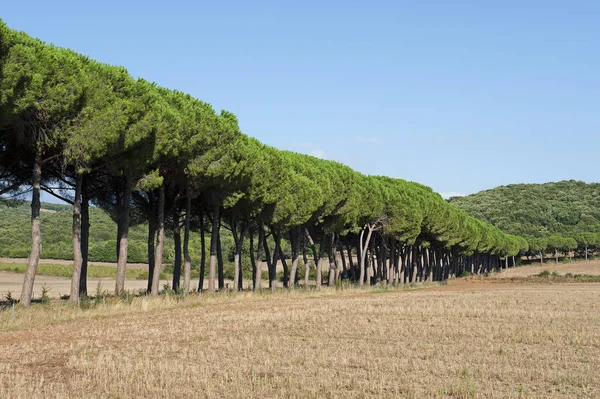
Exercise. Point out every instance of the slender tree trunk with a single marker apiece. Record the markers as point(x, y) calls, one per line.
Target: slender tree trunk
point(177, 251)
point(259, 256)
point(390, 268)
point(187, 263)
point(160, 241)
point(214, 235)
point(220, 271)
point(404, 266)
point(429, 256)
point(332, 265)
point(252, 258)
point(306, 265)
point(295, 258)
point(124, 237)
point(267, 258)
point(351, 262)
point(372, 270)
point(363, 255)
point(77, 257)
point(586, 252)
point(273, 268)
point(119, 198)
point(202, 254)
point(237, 261)
point(556, 255)
point(286, 270)
point(313, 248)
point(36, 233)
point(320, 263)
point(397, 266)
point(380, 260)
point(343, 258)
point(415, 264)
point(151, 248)
point(85, 242)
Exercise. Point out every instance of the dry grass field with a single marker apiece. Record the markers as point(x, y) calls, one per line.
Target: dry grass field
point(475, 338)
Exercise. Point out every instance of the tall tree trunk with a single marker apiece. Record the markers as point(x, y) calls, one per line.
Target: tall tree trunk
point(320, 263)
point(85, 242)
point(36, 233)
point(119, 203)
point(556, 255)
point(305, 260)
point(415, 264)
point(313, 248)
point(351, 262)
point(220, 271)
point(267, 258)
point(332, 265)
point(151, 248)
point(124, 237)
point(177, 251)
point(187, 262)
point(214, 235)
point(273, 268)
point(259, 256)
point(371, 271)
point(286, 271)
point(202, 254)
point(295, 258)
point(252, 258)
point(363, 255)
point(405, 262)
point(160, 241)
point(77, 257)
point(390, 268)
point(397, 264)
point(343, 258)
point(237, 260)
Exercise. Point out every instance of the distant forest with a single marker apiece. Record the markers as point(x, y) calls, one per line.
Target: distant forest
point(15, 240)
point(538, 210)
point(562, 216)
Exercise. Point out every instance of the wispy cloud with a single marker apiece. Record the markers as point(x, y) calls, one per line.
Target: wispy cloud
point(317, 152)
point(367, 140)
point(305, 144)
point(450, 194)
point(309, 149)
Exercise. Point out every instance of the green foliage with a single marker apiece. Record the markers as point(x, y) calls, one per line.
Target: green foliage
point(566, 208)
point(96, 121)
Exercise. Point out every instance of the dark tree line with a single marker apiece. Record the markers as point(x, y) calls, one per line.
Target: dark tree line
point(92, 135)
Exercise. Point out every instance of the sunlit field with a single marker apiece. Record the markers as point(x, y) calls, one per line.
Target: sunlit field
point(471, 338)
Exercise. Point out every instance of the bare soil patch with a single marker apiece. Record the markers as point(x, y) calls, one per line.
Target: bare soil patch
point(589, 267)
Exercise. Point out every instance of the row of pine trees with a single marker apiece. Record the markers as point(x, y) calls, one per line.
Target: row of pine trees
point(90, 133)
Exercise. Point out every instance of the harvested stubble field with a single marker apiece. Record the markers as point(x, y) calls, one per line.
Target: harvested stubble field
point(472, 338)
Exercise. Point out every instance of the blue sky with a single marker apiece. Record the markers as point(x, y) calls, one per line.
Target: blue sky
point(460, 96)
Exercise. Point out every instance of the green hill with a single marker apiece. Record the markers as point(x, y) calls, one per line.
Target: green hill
point(566, 208)
point(15, 235)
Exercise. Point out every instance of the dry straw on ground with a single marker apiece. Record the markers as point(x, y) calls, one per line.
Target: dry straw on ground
point(476, 339)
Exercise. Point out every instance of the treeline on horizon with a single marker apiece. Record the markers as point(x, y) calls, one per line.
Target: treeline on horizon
point(554, 217)
point(89, 133)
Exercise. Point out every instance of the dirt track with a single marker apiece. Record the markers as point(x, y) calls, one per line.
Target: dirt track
point(590, 267)
point(143, 266)
point(12, 282)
